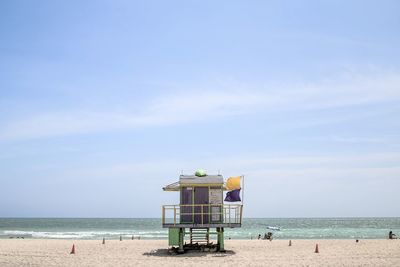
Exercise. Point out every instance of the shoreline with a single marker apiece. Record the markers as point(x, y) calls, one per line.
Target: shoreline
point(226, 239)
point(332, 252)
point(151, 229)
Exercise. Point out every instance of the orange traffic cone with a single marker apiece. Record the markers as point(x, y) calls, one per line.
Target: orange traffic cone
point(316, 249)
point(73, 249)
point(290, 243)
point(104, 241)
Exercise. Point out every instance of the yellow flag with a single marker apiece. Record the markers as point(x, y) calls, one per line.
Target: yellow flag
point(233, 183)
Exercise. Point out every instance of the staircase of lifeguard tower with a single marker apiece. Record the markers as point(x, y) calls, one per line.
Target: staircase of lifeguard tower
point(200, 236)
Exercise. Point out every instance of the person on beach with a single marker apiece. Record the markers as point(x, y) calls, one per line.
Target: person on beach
point(259, 236)
point(268, 236)
point(392, 236)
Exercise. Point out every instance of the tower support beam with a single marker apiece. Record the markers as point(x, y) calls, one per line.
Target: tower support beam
point(220, 231)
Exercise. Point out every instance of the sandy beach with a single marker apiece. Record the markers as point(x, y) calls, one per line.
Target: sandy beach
point(47, 252)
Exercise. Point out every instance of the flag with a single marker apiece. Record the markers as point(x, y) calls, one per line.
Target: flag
point(233, 196)
point(233, 183)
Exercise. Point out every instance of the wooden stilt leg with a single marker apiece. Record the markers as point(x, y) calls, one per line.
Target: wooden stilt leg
point(220, 231)
point(181, 238)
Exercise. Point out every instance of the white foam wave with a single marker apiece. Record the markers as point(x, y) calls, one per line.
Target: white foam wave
point(85, 234)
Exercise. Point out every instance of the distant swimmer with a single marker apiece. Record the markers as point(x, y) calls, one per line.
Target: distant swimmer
point(392, 236)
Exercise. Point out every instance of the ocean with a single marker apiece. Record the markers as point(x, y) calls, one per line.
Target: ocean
point(282, 228)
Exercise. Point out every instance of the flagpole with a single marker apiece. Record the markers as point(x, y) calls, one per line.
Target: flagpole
point(243, 190)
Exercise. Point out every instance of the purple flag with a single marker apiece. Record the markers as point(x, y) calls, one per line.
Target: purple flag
point(233, 196)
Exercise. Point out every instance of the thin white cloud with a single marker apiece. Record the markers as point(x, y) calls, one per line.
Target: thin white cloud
point(260, 168)
point(386, 139)
point(200, 105)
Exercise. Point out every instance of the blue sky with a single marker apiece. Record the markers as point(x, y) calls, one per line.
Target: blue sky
point(102, 103)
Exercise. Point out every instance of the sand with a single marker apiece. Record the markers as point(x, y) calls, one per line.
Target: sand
point(42, 252)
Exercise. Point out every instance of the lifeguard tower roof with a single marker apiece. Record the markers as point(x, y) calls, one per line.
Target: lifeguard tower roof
point(208, 179)
point(187, 180)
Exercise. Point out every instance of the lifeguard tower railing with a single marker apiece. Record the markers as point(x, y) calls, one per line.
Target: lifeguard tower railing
point(202, 215)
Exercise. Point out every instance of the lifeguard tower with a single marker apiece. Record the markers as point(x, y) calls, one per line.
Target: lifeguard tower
point(201, 208)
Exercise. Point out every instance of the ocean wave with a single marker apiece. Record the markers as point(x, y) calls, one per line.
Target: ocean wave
point(96, 229)
point(85, 234)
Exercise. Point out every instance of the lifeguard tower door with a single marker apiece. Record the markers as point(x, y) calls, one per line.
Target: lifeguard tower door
point(196, 198)
point(187, 199)
point(201, 202)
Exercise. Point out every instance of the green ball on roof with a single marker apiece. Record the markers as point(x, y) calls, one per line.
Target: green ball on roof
point(200, 173)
